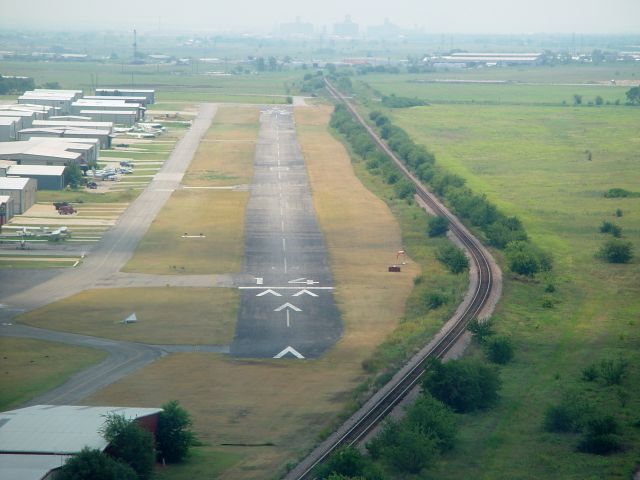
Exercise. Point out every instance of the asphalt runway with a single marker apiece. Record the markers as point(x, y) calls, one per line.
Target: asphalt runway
point(287, 308)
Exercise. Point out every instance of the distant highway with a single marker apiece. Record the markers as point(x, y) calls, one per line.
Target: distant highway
point(482, 291)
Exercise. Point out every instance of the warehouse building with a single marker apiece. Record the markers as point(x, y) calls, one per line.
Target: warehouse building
point(74, 123)
point(9, 128)
point(128, 92)
point(36, 441)
point(89, 147)
point(37, 153)
point(41, 112)
point(26, 118)
point(140, 99)
point(6, 209)
point(48, 177)
point(61, 104)
point(85, 135)
point(117, 117)
point(22, 192)
point(115, 105)
point(72, 118)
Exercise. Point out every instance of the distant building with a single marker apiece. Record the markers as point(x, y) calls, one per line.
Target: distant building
point(128, 92)
point(36, 441)
point(489, 59)
point(386, 30)
point(26, 118)
point(9, 128)
point(71, 134)
point(73, 123)
point(40, 153)
point(346, 29)
point(296, 29)
point(117, 117)
point(22, 192)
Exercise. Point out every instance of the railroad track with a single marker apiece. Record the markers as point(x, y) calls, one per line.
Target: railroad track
point(381, 404)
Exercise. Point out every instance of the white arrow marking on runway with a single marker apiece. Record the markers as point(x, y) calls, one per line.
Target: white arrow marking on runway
point(272, 292)
point(287, 305)
point(299, 280)
point(301, 292)
point(290, 350)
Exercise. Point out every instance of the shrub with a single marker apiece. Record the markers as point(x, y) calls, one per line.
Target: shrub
point(499, 350)
point(453, 257)
point(567, 416)
point(410, 452)
point(433, 300)
point(612, 228)
point(464, 385)
point(616, 250)
point(590, 373)
point(601, 436)
point(433, 418)
point(174, 437)
point(618, 212)
point(526, 259)
point(437, 226)
point(613, 371)
point(620, 193)
point(481, 330)
point(92, 464)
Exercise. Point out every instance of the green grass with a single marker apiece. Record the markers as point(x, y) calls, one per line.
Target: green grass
point(81, 196)
point(165, 315)
point(31, 367)
point(203, 462)
point(531, 161)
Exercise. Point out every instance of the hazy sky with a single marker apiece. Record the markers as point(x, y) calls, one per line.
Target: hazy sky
point(441, 16)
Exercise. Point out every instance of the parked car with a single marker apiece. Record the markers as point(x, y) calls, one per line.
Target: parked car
point(92, 185)
point(126, 164)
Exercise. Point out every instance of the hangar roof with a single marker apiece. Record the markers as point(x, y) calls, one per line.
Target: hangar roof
point(59, 429)
point(12, 183)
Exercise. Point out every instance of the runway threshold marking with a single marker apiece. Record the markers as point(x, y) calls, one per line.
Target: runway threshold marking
point(305, 292)
point(269, 291)
point(289, 350)
point(284, 288)
point(287, 305)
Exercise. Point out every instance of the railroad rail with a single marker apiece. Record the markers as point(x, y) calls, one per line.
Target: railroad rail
point(381, 403)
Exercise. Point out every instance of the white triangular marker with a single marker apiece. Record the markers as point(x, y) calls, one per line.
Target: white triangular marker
point(272, 292)
point(287, 305)
point(130, 319)
point(290, 350)
point(301, 292)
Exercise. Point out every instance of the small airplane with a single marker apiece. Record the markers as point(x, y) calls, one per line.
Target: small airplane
point(141, 135)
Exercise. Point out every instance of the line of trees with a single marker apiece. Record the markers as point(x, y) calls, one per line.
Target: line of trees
point(15, 85)
point(500, 230)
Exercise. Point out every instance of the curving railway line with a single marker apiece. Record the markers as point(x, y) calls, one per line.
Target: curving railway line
point(482, 286)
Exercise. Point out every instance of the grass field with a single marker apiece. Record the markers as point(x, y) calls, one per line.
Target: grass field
point(532, 162)
point(226, 153)
point(218, 215)
point(510, 93)
point(288, 403)
point(30, 367)
point(165, 315)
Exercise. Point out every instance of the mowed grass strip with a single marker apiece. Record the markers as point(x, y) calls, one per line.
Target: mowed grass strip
point(227, 152)
point(31, 367)
point(218, 215)
point(290, 402)
point(166, 315)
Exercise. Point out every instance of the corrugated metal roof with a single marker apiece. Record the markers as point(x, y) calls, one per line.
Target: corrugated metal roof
point(45, 170)
point(4, 199)
point(12, 183)
point(66, 123)
point(9, 120)
point(16, 113)
point(59, 429)
point(29, 467)
point(113, 112)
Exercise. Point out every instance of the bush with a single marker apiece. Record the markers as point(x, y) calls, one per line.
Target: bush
point(410, 452)
point(613, 371)
point(174, 437)
point(453, 257)
point(620, 193)
point(347, 462)
point(499, 350)
point(526, 259)
point(601, 436)
point(437, 226)
point(432, 418)
point(481, 330)
point(464, 385)
point(567, 416)
point(92, 464)
point(404, 189)
point(433, 300)
point(615, 250)
point(612, 228)
point(590, 373)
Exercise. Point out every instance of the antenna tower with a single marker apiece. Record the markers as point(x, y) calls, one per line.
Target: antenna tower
point(135, 46)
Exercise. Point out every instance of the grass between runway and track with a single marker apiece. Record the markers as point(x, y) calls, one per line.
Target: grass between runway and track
point(531, 161)
point(166, 315)
point(284, 405)
point(31, 367)
point(218, 215)
point(226, 153)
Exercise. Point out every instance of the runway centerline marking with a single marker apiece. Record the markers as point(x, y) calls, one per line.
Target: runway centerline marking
point(285, 288)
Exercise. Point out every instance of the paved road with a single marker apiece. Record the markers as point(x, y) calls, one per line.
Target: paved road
point(103, 263)
point(287, 309)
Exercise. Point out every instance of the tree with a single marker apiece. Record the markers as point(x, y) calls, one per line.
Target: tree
point(525, 258)
point(481, 331)
point(633, 95)
point(260, 64)
point(174, 437)
point(601, 436)
point(569, 415)
point(599, 100)
point(437, 226)
point(612, 228)
point(92, 464)
point(411, 451)
point(453, 257)
point(347, 462)
point(73, 175)
point(616, 250)
point(464, 385)
point(499, 350)
point(432, 418)
point(577, 99)
point(130, 443)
